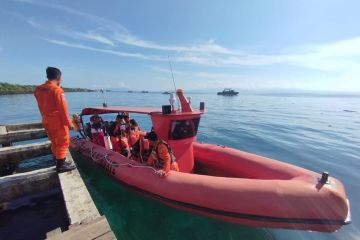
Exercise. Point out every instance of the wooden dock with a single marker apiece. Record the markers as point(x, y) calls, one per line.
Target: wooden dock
point(84, 220)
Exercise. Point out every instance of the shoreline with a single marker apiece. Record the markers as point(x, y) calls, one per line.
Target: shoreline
point(13, 89)
point(32, 92)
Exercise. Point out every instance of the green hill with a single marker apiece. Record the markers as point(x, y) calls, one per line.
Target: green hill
point(8, 88)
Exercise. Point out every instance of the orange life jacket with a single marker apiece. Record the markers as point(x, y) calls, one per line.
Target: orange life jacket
point(158, 161)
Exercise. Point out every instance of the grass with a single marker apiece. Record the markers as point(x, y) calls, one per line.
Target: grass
point(8, 88)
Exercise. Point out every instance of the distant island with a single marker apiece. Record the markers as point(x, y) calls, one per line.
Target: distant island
point(8, 88)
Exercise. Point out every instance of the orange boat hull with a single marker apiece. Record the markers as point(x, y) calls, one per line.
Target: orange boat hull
point(234, 186)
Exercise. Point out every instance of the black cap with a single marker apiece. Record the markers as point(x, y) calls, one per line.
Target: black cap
point(133, 122)
point(52, 73)
point(152, 136)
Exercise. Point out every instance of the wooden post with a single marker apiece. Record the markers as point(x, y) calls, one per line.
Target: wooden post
point(3, 131)
point(20, 132)
point(11, 156)
point(19, 185)
point(79, 205)
point(24, 126)
point(21, 135)
point(97, 229)
point(26, 151)
point(84, 218)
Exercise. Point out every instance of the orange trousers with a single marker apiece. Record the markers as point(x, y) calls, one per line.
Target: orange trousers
point(60, 140)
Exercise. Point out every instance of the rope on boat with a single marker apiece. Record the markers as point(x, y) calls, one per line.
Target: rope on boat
point(105, 157)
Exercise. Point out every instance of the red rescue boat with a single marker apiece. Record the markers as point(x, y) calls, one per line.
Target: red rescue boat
point(221, 182)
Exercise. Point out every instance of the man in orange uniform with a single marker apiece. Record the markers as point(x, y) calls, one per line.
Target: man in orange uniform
point(55, 118)
point(161, 156)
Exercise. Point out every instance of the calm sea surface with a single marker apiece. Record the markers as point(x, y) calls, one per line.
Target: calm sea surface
point(320, 133)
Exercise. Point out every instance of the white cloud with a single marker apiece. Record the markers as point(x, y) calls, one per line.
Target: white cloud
point(122, 84)
point(202, 47)
point(67, 10)
point(163, 70)
point(95, 37)
point(336, 56)
point(108, 51)
point(120, 34)
point(339, 55)
point(90, 35)
point(34, 24)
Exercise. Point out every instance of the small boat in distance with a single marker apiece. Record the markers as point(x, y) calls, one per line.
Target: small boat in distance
point(228, 92)
point(166, 92)
point(145, 91)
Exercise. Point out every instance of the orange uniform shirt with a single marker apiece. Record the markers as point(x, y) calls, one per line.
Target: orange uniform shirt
point(55, 119)
point(52, 105)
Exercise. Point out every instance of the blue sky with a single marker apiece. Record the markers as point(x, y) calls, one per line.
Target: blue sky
point(261, 44)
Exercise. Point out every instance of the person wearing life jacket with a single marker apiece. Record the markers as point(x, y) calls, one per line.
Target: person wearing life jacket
point(161, 156)
point(55, 118)
point(118, 136)
point(127, 122)
point(136, 139)
point(97, 132)
point(134, 133)
point(117, 126)
point(125, 135)
point(124, 142)
point(115, 132)
point(96, 120)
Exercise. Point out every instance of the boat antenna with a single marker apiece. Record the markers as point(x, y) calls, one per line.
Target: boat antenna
point(173, 79)
point(103, 91)
point(172, 74)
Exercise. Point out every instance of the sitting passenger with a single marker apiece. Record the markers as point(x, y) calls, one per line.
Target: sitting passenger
point(127, 122)
point(161, 156)
point(136, 139)
point(134, 133)
point(124, 143)
point(97, 133)
point(115, 126)
point(115, 133)
point(96, 120)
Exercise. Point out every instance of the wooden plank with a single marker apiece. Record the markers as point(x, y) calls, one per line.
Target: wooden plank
point(22, 184)
point(22, 135)
point(107, 236)
point(92, 230)
point(53, 233)
point(79, 204)
point(26, 151)
point(23, 126)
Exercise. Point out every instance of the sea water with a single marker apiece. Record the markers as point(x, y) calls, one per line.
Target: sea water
point(319, 132)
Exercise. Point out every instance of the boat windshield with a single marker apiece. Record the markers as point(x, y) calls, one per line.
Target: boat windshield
point(181, 129)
